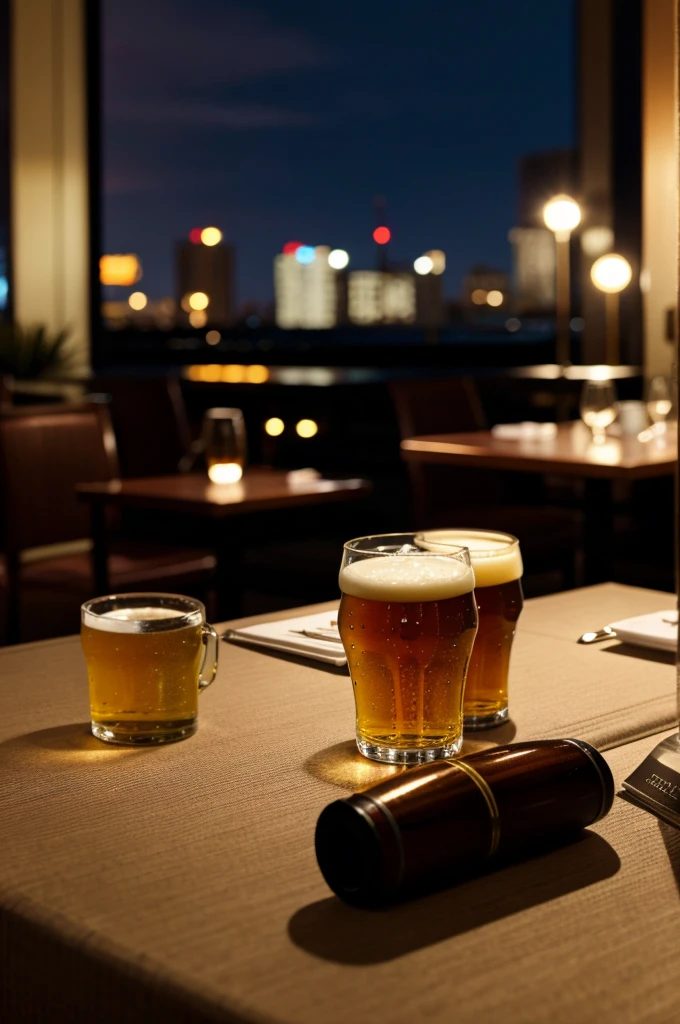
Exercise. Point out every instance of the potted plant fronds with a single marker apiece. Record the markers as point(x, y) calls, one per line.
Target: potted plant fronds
point(29, 353)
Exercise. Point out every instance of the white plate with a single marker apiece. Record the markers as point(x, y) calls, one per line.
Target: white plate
point(649, 630)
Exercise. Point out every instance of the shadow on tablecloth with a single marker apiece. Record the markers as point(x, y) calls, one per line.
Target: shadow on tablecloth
point(331, 930)
point(642, 653)
point(61, 743)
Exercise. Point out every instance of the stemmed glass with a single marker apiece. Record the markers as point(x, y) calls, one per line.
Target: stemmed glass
point(659, 402)
point(598, 407)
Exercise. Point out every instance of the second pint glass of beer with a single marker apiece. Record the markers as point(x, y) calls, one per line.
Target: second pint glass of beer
point(497, 564)
point(407, 621)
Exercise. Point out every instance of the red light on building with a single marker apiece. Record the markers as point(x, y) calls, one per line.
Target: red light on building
point(195, 235)
point(382, 235)
point(290, 248)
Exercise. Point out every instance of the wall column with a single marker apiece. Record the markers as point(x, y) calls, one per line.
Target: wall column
point(49, 169)
point(659, 183)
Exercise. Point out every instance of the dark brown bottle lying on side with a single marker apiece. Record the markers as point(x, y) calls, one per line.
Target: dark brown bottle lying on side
point(434, 825)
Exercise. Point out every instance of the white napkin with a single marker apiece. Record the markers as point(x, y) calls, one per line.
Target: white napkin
point(526, 431)
point(287, 635)
point(649, 630)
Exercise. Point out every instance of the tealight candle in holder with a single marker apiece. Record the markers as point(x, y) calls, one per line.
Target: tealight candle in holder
point(224, 444)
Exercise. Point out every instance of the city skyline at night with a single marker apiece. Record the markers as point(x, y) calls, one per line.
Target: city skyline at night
point(276, 128)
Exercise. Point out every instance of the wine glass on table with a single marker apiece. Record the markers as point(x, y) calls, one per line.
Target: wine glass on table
point(598, 407)
point(659, 403)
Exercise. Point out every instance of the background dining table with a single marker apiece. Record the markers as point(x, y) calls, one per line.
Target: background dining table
point(180, 883)
point(571, 452)
point(260, 490)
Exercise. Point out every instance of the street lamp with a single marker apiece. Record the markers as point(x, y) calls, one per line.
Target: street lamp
point(611, 274)
point(561, 215)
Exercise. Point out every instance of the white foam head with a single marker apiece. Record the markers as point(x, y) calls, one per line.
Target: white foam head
point(495, 557)
point(135, 618)
point(407, 578)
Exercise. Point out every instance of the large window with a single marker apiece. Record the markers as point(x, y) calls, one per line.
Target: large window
point(296, 130)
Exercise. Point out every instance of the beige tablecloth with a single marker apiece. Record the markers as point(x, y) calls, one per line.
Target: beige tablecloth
point(180, 884)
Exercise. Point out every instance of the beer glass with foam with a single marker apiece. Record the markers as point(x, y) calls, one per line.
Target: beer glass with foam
point(407, 621)
point(148, 657)
point(497, 564)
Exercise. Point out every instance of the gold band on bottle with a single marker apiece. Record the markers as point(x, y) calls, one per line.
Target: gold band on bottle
point(490, 800)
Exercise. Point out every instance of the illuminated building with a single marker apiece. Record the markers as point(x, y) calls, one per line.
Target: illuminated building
point(206, 265)
point(306, 287)
point(429, 293)
point(381, 297)
point(533, 268)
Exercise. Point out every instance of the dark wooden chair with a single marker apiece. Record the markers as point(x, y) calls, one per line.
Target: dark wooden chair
point(44, 452)
point(443, 496)
point(150, 423)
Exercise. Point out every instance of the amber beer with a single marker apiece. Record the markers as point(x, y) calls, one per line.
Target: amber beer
point(497, 564)
point(407, 621)
point(144, 656)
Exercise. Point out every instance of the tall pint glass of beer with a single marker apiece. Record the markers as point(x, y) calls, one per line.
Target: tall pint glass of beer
point(407, 621)
point(497, 563)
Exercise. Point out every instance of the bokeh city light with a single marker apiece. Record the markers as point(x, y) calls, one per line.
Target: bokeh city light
point(305, 254)
point(438, 258)
point(338, 259)
point(423, 265)
point(211, 236)
point(137, 301)
point(274, 426)
point(198, 300)
point(382, 235)
point(306, 428)
point(256, 374)
point(562, 214)
point(119, 269)
point(611, 273)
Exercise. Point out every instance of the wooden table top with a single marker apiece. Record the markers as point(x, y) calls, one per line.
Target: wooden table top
point(258, 490)
point(181, 882)
point(571, 453)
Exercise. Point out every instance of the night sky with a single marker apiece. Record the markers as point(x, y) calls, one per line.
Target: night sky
point(282, 120)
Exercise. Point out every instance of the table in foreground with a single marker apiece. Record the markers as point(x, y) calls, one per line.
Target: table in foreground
point(180, 883)
point(570, 453)
point(192, 494)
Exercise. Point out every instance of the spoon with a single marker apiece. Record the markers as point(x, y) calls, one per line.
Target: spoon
point(606, 633)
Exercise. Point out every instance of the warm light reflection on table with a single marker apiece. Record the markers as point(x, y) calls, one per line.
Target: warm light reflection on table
point(342, 765)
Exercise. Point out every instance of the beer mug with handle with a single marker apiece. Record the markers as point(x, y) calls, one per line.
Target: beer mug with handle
point(148, 657)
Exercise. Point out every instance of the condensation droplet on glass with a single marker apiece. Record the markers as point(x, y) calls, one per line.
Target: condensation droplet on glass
point(404, 622)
